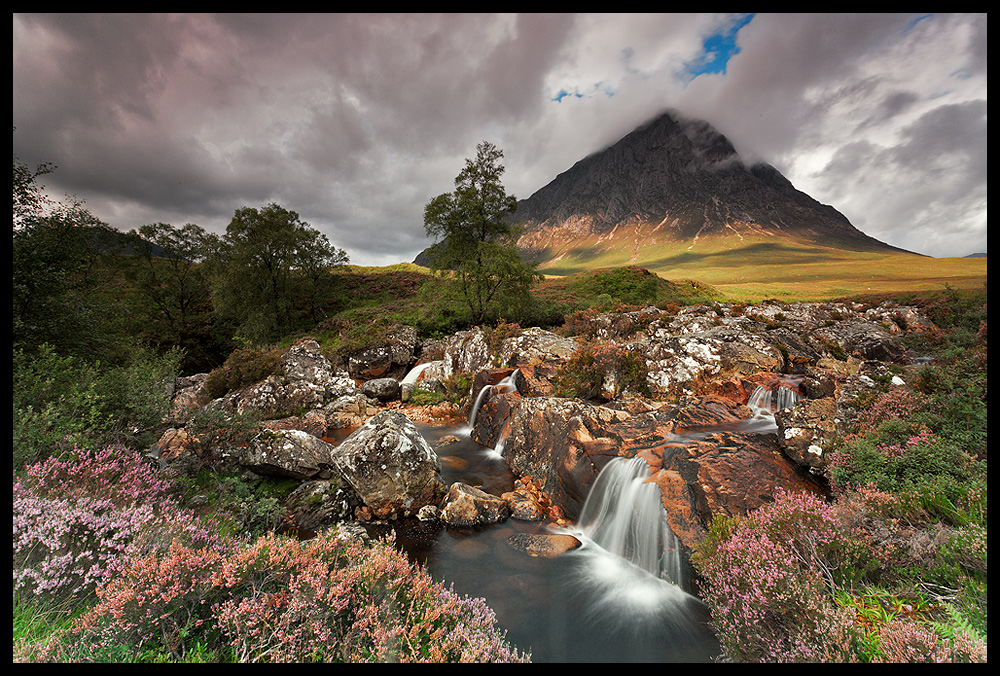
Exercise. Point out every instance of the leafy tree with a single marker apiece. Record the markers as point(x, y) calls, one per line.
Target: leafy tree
point(58, 267)
point(174, 288)
point(475, 238)
point(265, 255)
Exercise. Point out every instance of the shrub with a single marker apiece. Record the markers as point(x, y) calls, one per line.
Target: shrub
point(244, 366)
point(600, 368)
point(60, 402)
point(78, 521)
point(328, 599)
point(769, 588)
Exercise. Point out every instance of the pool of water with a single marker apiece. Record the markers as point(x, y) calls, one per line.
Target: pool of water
point(586, 605)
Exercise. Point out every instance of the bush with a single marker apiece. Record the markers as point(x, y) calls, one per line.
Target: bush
point(768, 586)
point(601, 369)
point(78, 521)
point(60, 402)
point(330, 599)
point(244, 366)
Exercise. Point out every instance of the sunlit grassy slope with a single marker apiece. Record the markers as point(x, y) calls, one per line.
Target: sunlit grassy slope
point(753, 268)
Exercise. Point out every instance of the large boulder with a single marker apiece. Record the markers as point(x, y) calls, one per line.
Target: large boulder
point(287, 453)
point(390, 466)
point(391, 358)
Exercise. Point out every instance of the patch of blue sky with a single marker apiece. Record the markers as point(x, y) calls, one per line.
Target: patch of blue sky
point(717, 49)
point(598, 88)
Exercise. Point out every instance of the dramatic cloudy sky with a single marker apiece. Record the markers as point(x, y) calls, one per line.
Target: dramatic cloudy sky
point(356, 121)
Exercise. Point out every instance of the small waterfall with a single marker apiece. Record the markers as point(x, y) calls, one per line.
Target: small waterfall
point(508, 384)
point(765, 401)
point(624, 515)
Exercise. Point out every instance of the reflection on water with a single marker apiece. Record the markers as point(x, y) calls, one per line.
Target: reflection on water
point(587, 605)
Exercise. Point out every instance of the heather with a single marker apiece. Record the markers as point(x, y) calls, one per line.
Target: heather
point(892, 566)
point(145, 579)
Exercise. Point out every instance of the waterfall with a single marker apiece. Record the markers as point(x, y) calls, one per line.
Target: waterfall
point(624, 515)
point(508, 384)
point(764, 402)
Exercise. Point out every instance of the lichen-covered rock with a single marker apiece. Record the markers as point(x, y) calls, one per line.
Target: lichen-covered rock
point(392, 358)
point(806, 430)
point(390, 466)
point(288, 453)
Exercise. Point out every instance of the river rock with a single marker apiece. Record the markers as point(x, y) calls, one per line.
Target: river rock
point(470, 506)
point(543, 545)
point(390, 466)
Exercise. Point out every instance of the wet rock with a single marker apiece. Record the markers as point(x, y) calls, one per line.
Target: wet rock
point(470, 506)
point(543, 545)
point(390, 466)
point(725, 473)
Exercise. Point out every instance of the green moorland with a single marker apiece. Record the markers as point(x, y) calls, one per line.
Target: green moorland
point(901, 578)
point(750, 269)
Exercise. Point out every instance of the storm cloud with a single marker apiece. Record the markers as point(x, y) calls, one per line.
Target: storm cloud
point(357, 121)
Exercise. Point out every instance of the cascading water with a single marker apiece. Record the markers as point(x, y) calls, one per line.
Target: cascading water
point(623, 515)
point(764, 402)
point(508, 384)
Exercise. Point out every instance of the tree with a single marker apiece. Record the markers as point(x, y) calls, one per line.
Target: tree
point(475, 238)
point(59, 265)
point(263, 256)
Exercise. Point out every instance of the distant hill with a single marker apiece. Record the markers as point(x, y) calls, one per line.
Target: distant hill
point(673, 181)
point(977, 255)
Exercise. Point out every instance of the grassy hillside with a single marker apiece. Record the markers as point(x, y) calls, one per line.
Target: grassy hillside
point(753, 268)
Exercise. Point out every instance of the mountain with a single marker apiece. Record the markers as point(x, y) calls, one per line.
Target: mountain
point(674, 181)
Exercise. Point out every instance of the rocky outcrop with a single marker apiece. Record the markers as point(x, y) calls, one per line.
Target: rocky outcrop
point(702, 442)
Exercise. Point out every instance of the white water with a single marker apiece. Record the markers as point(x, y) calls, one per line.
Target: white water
point(624, 516)
point(508, 384)
point(765, 402)
point(414, 373)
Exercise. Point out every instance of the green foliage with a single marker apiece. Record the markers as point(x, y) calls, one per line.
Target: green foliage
point(475, 240)
point(601, 369)
point(244, 366)
point(630, 285)
point(62, 401)
point(267, 257)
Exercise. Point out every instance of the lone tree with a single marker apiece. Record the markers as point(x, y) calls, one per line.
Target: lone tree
point(475, 238)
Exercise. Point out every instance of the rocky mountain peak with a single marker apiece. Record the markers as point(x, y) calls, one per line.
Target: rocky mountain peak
point(684, 179)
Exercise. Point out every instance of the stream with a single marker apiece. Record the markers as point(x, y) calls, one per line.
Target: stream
point(591, 604)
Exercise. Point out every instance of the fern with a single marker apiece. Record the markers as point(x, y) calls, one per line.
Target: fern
point(956, 624)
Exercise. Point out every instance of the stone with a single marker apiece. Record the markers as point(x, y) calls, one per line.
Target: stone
point(390, 466)
point(383, 389)
point(470, 506)
point(806, 430)
point(287, 453)
point(543, 545)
